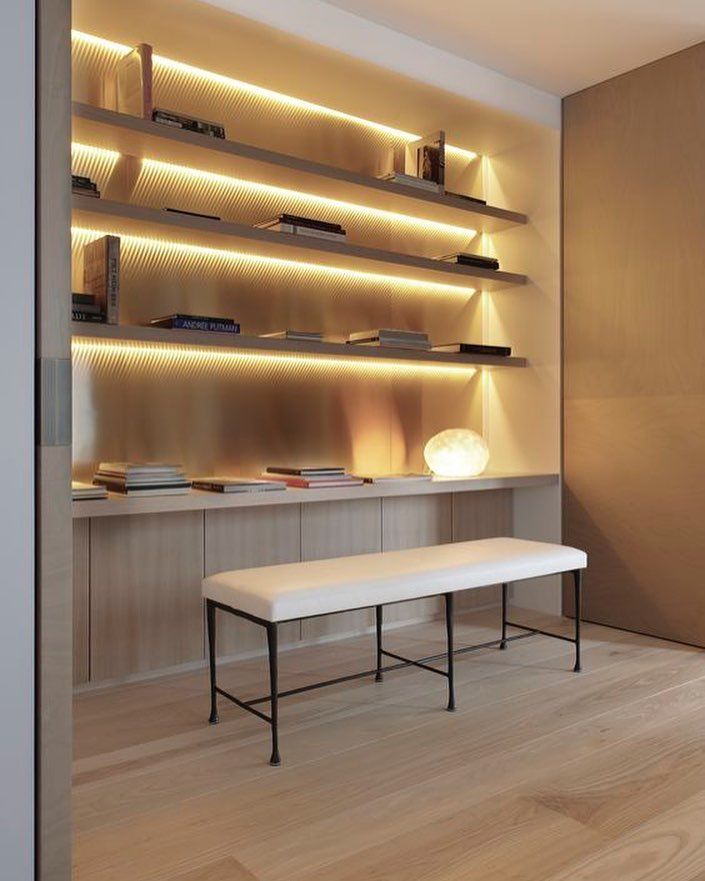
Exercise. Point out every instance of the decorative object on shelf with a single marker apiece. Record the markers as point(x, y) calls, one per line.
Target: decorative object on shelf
point(424, 158)
point(396, 478)
point(309, 336)
point(142, 478)
point(473, 349)
point(457, 452)
point(101, 275)
point(401, 339)
point(465, 259)
point(84, 186)
point(188, 123)
point(294, 224)
point(82, 491)
point(133, 82)
point(236, 484)
point(180, 321)
point(193, 213)
point(315, 477)
point(85, 308)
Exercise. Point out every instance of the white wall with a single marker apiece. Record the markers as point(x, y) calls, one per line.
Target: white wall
point(17, 441)
point(321, 23)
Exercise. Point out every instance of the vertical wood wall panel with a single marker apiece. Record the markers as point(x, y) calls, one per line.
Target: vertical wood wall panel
point(81, 583)
point(339, 529)
point(146, 608)
point(634, 218)
point(412, 522)
point(240, 539)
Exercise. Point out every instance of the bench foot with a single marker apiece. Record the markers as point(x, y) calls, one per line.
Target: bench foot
point(213, 719)
point(577, 669)
point(503, 645)
point(275, 760)
point(379, 677)
point(378, 627)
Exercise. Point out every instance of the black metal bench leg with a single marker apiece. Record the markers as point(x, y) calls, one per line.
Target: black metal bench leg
point(378, 620)
point(505, 590)
point(210, 618)
point(274, 691)
point(578, 580)
point(449, 632)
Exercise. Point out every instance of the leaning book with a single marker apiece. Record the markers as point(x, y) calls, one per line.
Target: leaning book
point(101, 275)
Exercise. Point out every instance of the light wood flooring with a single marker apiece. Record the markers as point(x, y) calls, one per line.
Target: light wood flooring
point(540, 775)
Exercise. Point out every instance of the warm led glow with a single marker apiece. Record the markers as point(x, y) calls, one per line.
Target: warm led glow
point(222, 180)
point(160, 356)
point(457, 452)
point(102, 161)
point(194, 253)
point(260, 92)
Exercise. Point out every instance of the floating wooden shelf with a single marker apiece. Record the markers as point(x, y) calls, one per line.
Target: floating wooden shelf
point(196, 500)
point(142, 137)
point(131, 219)
point(239, 343)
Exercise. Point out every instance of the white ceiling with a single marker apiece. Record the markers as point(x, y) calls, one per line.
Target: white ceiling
point(559, 46)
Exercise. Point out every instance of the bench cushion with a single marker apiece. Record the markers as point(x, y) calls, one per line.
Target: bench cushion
point(320, 587)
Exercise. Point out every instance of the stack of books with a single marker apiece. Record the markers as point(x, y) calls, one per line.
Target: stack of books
point(473, 349)
point(181, 321)
point(81, 491)
point(188, 123)
point(142, 478)
point(236, 485)
point(465, 259)
point(411, 180)
point(85, 307)
point(400, 339)
point(84, 186)
point(315, 477)
point(310, 336)
point(294, 224)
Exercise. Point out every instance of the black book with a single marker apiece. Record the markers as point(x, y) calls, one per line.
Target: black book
point(476, 260)
point(179, 321)
point(92, 317)
point(192, 213)
point(83, 299)
point(474, 349)
point(188, 123)
point(297, 220)
point(305, 472)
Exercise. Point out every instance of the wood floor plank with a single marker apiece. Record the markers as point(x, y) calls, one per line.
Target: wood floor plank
point(379, 782)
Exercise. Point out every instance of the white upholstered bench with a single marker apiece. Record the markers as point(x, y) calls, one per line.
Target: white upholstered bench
point(271, 595)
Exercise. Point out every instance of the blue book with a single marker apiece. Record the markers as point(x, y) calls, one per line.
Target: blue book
point(197, 322)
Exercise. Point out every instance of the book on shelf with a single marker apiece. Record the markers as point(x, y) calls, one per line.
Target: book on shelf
point(192, 213)
point(308, 471)
point(473, 349)
point(82, 491)
point(236, 484)
point(133, 82)
point(85, 308)
point(101, 274)
point(396, 478)
point(83, 301)
point(311, 336)
point(188, 123)
point(84, 186)
point(294, 224)
point(87, 317)
point(142, 478)
point(307, 482)
point(411, 180)
point(181, 321)
point(467, 198)
point(400, 339)
point(464, 259)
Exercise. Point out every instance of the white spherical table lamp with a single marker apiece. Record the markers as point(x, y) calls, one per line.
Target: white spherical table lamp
point(457, 452)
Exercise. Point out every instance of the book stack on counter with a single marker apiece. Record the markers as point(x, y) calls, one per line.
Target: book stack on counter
point(294, 224)
point(84, 186)
point(411, 180)
point(188, 123)
point(307, 336)
point(181, 321)
point(85, 307)
point(465, 259)
point(142, 478)
point(82, 491)
point(315, 477)
point(236, 485)
point(399, 339)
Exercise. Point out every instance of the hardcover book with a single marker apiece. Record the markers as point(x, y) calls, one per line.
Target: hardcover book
point(474, 349)
point(180, 321)
point(188, 123)
point(101, 275)
point(133, 78)
point(236, 485)
point(465, 259)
